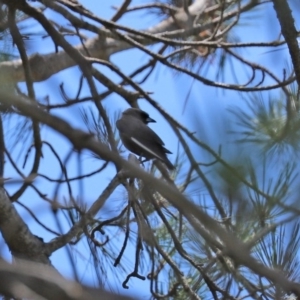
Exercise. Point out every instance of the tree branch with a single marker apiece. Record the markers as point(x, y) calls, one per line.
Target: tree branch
point(21, 242)
point(101, 47)
point(34, 281)
point(289, 32)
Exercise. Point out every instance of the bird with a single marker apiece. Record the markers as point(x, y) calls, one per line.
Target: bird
point(138, 138)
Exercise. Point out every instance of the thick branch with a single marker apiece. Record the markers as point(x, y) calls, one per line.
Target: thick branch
point(44, 66)
point(289, 32)
point(35, 281)
point(21, 242)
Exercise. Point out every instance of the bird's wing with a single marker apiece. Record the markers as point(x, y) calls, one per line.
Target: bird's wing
point(138, 130)
point(145, 148)
point(143, 136)
point(148, 140)
point(147, 134)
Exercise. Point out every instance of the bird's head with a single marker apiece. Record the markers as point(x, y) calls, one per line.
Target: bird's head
point(138, 114)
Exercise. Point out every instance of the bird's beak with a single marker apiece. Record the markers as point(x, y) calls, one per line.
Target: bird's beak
point(149, 120)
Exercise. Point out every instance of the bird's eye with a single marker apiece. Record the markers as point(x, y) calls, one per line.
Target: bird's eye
point(145, 115)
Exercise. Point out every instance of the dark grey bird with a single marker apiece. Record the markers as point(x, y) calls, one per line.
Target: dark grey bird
point(138, 138)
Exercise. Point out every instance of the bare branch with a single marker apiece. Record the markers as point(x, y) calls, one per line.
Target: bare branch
point(21, 242)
